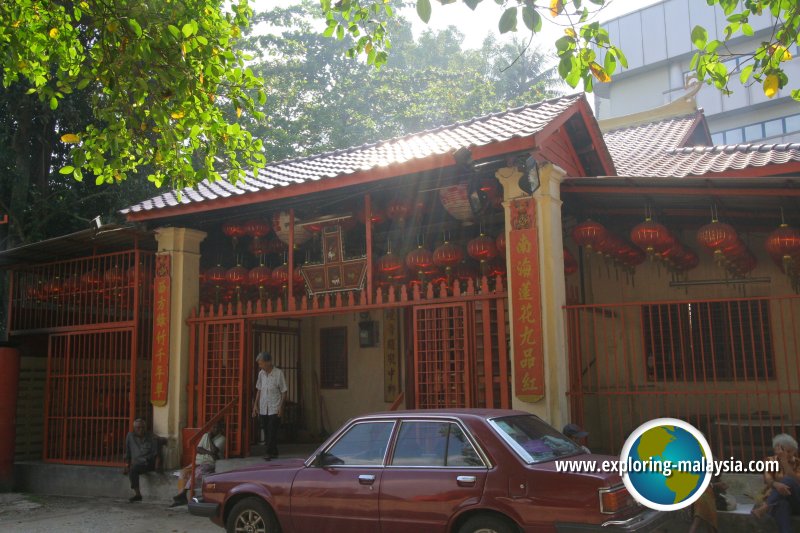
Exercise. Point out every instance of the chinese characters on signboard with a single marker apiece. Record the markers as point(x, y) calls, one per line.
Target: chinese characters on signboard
point(391, 356)
point(526, 313)
point(159, 380)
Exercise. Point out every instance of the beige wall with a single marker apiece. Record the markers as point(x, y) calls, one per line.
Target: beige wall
point(365, 369)
point(613, 359)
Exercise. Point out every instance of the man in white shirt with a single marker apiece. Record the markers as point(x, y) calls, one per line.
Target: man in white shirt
point(268, 405)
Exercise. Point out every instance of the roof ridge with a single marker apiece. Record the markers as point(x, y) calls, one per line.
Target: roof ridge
point(693, 115)
point(731, 148)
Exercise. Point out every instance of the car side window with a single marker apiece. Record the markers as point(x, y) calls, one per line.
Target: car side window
point(433, 444)
point(364, 444)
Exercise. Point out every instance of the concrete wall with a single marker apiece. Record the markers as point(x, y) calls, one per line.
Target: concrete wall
point(365, 368)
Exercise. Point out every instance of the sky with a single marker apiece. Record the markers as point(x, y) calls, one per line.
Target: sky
point(476, 24)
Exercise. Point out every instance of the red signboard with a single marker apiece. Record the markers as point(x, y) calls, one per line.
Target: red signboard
point(159, 377)
point(526, 313)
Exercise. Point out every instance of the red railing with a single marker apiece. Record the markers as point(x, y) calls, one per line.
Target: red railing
point(728, 366)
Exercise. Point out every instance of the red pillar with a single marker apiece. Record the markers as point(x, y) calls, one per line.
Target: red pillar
point(9, 384)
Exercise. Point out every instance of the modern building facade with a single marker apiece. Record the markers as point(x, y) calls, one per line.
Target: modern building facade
point(657, 43)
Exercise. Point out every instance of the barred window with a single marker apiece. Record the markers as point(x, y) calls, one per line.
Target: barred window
point(708, 341)
point(333, 358)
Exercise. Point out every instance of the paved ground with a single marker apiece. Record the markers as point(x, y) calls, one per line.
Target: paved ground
point(44, 514)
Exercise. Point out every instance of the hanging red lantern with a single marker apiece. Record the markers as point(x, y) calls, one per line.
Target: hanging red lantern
point(588, 234)
point(280, 275)
point(234, 231)
point(259, 276)
point(276, 246)
point(52, 288)
point(389, 264)
point(783, 245)
point(236, 276)
point(570, 264)
point(734, 250)
point(448, 255)
point(257, 228)
point(651, 237)
point(482, 248)
point(500, 242)
point(419, 260)
point(114, 277)
point(715, 236)
point(398, 209)
point(216, 275)
point(259, 247)
point(91, 279)
point(634, 256)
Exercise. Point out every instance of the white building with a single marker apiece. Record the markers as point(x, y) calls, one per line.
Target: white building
point(656, 41)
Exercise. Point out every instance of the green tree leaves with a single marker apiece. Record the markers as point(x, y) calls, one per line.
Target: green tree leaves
point(160, 74)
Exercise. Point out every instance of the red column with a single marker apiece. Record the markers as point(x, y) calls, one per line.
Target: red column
point(9, 384)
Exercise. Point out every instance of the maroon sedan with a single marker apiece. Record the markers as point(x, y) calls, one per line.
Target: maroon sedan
point(444, 471)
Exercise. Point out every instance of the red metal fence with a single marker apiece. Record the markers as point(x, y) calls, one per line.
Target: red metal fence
point(730, 367)
point(98, 332)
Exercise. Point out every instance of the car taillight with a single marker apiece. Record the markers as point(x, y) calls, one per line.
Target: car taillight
point(615, 499)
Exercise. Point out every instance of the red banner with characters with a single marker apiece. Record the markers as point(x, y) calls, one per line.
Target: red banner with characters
point(526, 313)
point(159, 377)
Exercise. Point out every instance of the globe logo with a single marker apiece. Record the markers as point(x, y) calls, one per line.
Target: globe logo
point(666, 464)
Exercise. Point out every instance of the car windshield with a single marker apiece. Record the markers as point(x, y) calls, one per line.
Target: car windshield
point(533, 440)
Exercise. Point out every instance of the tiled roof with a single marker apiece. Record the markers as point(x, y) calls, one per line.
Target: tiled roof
point(498, 127)
point(702, 160)
point(657, 150)
point(632, 148)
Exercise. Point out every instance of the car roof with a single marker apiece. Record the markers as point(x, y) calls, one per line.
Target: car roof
point(457, 413)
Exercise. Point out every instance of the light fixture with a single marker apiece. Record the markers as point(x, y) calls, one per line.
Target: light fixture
point(529, 182)
point(96, 223)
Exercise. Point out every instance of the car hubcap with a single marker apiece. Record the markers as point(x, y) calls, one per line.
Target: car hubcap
point(250, 522)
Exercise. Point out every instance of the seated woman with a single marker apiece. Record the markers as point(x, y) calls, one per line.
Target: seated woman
point(782, 488)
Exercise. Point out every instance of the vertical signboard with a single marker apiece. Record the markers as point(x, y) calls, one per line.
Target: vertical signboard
point(526, 313)
point(160, 366)
point(391, 356)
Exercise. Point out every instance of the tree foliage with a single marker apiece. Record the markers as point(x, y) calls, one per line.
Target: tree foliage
point(159, 75)
point(585, 45)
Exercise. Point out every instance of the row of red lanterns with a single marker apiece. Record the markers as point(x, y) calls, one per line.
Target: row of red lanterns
point(783, 246)
point(115, 278)
point(659, 243)
point(728, 248)
point(595, 237)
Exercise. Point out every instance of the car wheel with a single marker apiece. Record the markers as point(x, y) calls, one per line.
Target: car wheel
point(252, 515)
point(488, 524)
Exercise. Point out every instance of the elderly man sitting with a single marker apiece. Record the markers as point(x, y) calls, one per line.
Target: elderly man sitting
point(142, 454)
point(782, 488)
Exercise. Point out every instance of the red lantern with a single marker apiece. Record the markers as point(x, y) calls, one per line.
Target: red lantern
point(398, 209)
point(259, 247)
point(234, 231)
point(716, 235)
point(91, 279)
point(236, 276)
point(634, 257)
point(259, 276)
point(456, 202)
point(114, 277)
point(448, 255)
point(216, 275)
point(389, 264)
point(651, 237)
point(588, 233)
point(500, 242)
point(276, 246)
point(570, 264)
point(482, 248)
point(419, 260)
point(783, 244)
point(280, 275)
point(52, 288)
point(257, 228)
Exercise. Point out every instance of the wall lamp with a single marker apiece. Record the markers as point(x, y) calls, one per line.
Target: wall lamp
point(530, 181)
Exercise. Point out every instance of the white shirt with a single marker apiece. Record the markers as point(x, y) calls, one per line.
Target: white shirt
point(272, 387)
point(205, 442)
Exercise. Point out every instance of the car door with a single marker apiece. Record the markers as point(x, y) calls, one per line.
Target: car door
point(340, 493)
point(434, 471)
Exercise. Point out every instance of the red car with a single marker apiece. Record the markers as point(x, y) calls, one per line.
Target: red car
point(443, 471)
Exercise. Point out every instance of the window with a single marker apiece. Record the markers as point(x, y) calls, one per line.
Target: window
point(733, 136)
point(718, 138)
point(434, 444)
point(333, 358)
point(773, 128)
point(533, 440)
point(708, 341)
point(792, 123)
point(753, 133)
point(363, 444)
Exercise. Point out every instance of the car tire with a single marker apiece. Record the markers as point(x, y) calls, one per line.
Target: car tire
point(486, 523)
point(252, 515)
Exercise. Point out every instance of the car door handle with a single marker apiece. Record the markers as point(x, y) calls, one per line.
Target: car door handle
point(366, 479)
point(466, 481)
